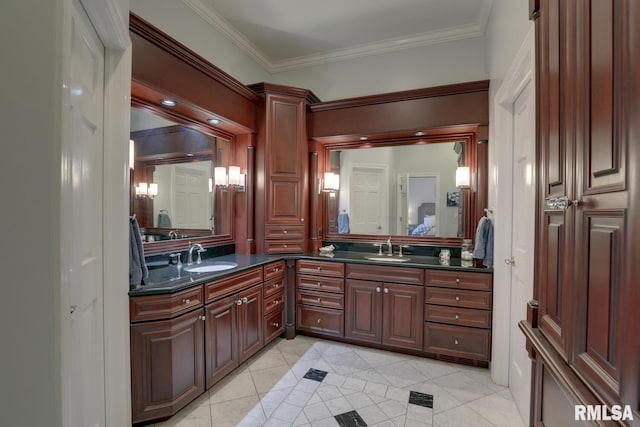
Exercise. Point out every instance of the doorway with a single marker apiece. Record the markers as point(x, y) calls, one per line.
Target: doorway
point(369, 200)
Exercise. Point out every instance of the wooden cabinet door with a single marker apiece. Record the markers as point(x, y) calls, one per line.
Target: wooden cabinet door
point(403, 311)
point(167, 365)
point(221, 347)
point(250, 322)
point(363, 310)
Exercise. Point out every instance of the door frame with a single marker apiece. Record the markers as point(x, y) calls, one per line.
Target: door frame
point(110, 19)
point(520, 73)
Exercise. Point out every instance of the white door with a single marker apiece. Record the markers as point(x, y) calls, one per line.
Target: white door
point(191, 197)
point(81, 239)
point(368, 198)
point(522, 243)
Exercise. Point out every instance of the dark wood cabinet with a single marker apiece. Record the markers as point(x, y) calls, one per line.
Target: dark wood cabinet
point(281, 170)
point(250, 322)
point(274, 300)
point(364, 310)
point(320, 297)
point(583, 334)
point(155, 347)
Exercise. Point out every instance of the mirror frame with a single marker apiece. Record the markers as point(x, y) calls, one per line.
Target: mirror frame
point(466, 133)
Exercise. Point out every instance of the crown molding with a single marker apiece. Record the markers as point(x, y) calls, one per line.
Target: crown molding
point(208, 13)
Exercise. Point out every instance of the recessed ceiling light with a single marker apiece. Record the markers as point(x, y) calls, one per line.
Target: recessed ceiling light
point(214, 121)
point(168, 102)
point(420, 133)
point(363, 138)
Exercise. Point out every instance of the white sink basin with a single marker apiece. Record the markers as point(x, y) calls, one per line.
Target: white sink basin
point(210, 268)
point(387, 258)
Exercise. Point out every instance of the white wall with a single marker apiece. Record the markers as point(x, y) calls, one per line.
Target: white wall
point(183, 24)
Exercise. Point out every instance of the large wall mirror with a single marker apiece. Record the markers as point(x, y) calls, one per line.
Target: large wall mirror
point(405, 189)
point(173, 194)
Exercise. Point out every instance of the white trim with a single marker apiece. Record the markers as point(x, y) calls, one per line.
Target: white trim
point(519, 74)
point(210, 15)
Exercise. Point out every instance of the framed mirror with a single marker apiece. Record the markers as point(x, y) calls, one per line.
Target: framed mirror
point(172, 191)
point(401, 188)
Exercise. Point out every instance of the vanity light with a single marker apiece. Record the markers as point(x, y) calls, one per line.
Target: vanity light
point(331, 182)
point(214, 121)
point(146, 190)
point(235, 179)
point(234, 175)
point(463, 177)
point(168, 102)
point(131, 154)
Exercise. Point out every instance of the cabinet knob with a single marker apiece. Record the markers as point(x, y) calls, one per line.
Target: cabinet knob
point(457, 317)
point(319, 284)
point(284, 231)
point(202, 318)
point(386, 290)
point(275, 286)
point(275, 269)
point(378, 289)
point(319, 299)
point(275, 324)
point(457, 280)
point(245, 300)
point(276, 302)
point(301, 219)
point(319, 268)
point(455, 341)
point(239, 302)
point(319, 320)
point(285, 246)
point(186, 301)
point(457, 298)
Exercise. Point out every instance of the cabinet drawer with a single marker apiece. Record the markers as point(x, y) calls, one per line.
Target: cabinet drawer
point(322, 268)
point(320, 320)
point(317, 283)
point(273, 325)
point(157, 307)
point(283, 232)
point(273, 286)
point(457, 316)
point(322, 299)
point(274, 269)
point(458, 298)
point(457, 341)
point(274, 302)
point(379, 273)
point(283, 246)
point(233, 284)
point(460, 280)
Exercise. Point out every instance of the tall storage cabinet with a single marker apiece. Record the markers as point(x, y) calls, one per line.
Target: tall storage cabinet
point(281, 199)
point(582, 335)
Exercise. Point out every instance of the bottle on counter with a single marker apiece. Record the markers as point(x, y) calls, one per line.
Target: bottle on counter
point(467, 250)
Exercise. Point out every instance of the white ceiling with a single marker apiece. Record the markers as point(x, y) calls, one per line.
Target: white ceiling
point(288, 34)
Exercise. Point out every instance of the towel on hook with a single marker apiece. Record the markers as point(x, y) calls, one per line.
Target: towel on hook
point(484, 242)
point(343, 223)
point(137, 266)
point(164, 220)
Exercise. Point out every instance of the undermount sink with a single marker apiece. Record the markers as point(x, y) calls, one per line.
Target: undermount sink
point(210, 268)
point(387, 258)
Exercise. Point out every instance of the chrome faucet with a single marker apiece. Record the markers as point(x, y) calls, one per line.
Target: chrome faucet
point(390, 246)
point(173, 235)
point(200, 249)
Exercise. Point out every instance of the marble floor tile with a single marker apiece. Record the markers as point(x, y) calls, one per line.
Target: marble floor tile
point(462, 386)
point(499, 409)
point(287, 412)
point(401, 374)
point(232, 412)
point(373, 415)
point(232, 387)
point(316, 412)
point(461, 416)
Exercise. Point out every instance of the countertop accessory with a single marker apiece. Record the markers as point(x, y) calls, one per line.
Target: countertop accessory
point(327, 249)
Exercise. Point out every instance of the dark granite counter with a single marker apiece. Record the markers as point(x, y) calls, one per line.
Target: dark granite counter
point(165, 280)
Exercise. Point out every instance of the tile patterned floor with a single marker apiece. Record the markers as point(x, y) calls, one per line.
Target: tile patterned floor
point(317, 383)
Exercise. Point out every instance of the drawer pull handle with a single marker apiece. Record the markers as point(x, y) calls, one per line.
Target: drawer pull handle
point(284, 231)
point(386, 290)
point(455, 341)
point(319, 320)
point(275, 286)
point(202, 318)
point(285, 246)
point(319, 299)
point(276, 302)
point(239, 302)
point(319, 268)
point(457, 298)
point(378, 289)
point(186, 301)
point(457, 280)
point(275, 324)
point(457, 317)
point(276, 269)
point(319, 284)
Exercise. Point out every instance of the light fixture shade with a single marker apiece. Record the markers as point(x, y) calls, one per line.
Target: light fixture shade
point(243, 178)
point(463, 177)
point(153, 189)
point(142, 189)
point(131, 154)
point(210, 185)
point(220, 175)
point(331, 181)
point(234, 175)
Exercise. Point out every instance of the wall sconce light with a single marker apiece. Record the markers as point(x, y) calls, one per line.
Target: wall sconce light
point(146, 190)
point(331, 182)
point(131, 154)
point(463, 177)
point(234, 179)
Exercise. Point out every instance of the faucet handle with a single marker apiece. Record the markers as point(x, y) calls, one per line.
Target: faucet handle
point(379, 245)
point(199, 260)
point(177, 256)
point(400, 249)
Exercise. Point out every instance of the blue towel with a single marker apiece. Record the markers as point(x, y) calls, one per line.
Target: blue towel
point(421, 230)
point(343, 223)
point(484, 242)
point(164, 220)
point(137, 266)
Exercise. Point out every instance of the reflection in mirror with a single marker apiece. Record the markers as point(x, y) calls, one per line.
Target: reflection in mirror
point(407, 190)
point(179, 161)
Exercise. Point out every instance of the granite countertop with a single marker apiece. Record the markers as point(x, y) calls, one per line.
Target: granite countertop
point(165, 280)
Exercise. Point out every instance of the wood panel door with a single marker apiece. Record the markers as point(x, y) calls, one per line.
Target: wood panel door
point(403, 314)
point(250, 322)
point(221, 346)
point(174, 346)
point(363, 310)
